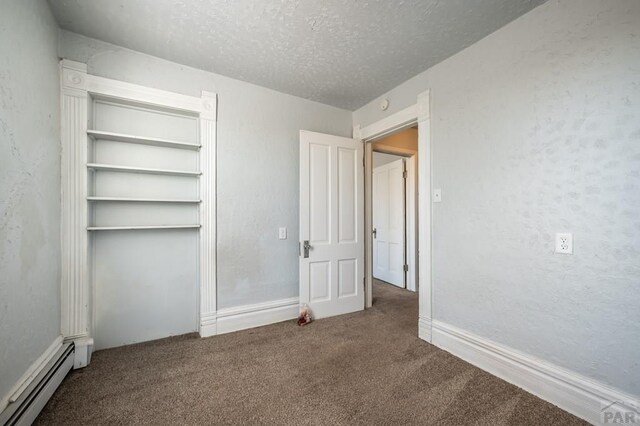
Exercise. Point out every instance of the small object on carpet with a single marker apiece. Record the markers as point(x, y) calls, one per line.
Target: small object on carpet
point(305, 315)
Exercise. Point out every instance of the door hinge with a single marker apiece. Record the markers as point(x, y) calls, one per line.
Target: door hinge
point(404, 174)
point(406, 268)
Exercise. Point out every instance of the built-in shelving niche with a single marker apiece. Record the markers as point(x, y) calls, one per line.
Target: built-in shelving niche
point(143, 201)
point(143, 168)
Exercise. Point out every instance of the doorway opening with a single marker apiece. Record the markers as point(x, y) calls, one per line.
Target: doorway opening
point(336, 245)
point(394, 234)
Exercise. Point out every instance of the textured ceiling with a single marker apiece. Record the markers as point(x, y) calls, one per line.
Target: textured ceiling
point(338, 52)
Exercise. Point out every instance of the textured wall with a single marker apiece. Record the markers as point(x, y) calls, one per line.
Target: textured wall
point(536, 130)
point(29, 187)
point(257, 163)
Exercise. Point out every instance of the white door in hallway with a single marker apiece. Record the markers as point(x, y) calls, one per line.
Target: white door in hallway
point(388, 223)
point(331, 224)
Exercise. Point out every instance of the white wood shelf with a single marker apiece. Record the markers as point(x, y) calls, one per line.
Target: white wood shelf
point(142, 200)
point(120, 137)
point(127, 228)
point(128, 169)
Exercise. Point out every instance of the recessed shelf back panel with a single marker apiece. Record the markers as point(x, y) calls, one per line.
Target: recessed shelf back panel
point(144, 122)
point(127, 214)
point(145, 284)
point(140, 185)
point(135, 155)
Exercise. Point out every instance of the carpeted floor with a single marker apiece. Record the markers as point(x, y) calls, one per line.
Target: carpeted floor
point(363, 368)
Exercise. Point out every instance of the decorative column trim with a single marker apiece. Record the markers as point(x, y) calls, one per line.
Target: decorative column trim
point(425, 231)
point(74, 282)
point(208, 319)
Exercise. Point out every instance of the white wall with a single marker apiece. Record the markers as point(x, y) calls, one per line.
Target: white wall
point(257, 164)
point(29, 187)
point(536, 130)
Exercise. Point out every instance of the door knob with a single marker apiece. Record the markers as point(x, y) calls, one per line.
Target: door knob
point(305, 248)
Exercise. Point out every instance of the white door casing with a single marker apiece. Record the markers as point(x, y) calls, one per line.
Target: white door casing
point(331, 220)
point(419, 113)
point(389, 223)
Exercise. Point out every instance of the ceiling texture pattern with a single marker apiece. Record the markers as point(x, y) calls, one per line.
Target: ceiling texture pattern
point(339, 52)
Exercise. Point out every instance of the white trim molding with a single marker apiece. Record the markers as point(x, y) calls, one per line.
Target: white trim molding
point(368, 222)
point(31, 373)
point(568, 390)
point(256, 315)
point(425, 328)
point(121, 90)
point(207, 323)
point(425, 224)
point(390, 124)
point(74, 295)
point(83, 351)
point(419, 113)
point(357, 133)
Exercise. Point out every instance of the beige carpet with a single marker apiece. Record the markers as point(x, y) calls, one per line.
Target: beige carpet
point(363, 368)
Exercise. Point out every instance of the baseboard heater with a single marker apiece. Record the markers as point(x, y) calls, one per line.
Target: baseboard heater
point(27, 407)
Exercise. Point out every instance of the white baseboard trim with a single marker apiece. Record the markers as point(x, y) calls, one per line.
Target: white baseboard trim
point(424, 329)
point(83, 351)
point(568, 390)
point(31, 373)
point(208, 325)
point(249, 316)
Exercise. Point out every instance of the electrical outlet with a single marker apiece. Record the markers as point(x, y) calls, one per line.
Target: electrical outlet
point(564, 243)
point(282, 233)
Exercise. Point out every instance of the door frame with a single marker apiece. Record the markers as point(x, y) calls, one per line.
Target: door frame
point(420, 114)
point(411, 209)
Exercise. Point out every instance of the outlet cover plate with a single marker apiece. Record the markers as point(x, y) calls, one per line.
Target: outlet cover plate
point(564, 243)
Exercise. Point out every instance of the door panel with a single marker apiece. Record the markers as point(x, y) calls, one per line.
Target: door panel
point(320, 187)
point(347, 277)
point(347, 195)
point(319, 281)
point(331, 220)
point(389, 223)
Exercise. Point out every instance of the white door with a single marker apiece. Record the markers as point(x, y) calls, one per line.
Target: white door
point(388, 223)
point(331, 224)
